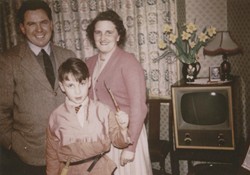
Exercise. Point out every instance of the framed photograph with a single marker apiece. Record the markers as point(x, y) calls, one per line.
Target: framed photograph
point(214, 73)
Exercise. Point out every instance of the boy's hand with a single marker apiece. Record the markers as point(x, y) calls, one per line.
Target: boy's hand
point(122, 119)
point(126, 157)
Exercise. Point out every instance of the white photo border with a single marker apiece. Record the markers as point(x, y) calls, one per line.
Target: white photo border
point(212, 77)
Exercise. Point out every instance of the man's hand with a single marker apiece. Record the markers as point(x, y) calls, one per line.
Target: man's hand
point(126, 157)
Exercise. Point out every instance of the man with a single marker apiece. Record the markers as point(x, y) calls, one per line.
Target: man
point(29, 91)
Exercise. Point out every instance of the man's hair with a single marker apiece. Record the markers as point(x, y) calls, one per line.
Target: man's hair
point(32, 5)
point(73, 66)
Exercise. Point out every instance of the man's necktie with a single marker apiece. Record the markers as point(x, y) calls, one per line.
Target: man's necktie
point(77, 108)
point(48, 68)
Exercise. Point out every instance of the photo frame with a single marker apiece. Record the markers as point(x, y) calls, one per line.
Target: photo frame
point(214, 73)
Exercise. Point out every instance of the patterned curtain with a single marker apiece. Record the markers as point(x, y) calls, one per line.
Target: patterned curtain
point(8, 28)
point(143, 20)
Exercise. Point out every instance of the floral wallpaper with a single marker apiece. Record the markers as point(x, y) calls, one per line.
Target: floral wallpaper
point(239, 27)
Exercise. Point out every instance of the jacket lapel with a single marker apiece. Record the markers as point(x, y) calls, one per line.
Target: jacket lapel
point(59, 59)
point(30, 63)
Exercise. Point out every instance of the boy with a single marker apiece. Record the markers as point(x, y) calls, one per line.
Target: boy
point(81, 130)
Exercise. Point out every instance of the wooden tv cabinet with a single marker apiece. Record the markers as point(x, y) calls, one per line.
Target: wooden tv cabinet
point(210, 155)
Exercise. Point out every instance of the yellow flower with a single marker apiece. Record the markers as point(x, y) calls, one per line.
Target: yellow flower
point(167, 28)
point(203, 37)
point(185, 35)
point(192, 44)
point(191, 27)
point(172, 38)
point(211, 31)
point(162, 44)
point(186, 41)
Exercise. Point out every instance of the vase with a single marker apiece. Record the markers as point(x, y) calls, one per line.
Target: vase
point(190, 71)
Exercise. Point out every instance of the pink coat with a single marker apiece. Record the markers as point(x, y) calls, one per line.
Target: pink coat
point(124, 75)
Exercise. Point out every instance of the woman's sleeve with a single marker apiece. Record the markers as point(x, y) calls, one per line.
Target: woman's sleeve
point(136, 88)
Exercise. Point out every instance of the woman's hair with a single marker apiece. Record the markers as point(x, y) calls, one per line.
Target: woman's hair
point(73, 66)
point(32, 5)
point(108, 15)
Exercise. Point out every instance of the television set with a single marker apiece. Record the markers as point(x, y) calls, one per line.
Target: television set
point(203, 117)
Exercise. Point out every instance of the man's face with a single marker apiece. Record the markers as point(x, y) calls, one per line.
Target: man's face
point(37, 27)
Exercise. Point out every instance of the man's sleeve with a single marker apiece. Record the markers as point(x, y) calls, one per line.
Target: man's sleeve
point(6, 101)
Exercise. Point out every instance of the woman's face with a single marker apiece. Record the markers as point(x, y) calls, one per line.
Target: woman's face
point(106, 36)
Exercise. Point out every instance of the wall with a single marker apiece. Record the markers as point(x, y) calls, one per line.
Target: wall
point(207, 13)
point(239, 25)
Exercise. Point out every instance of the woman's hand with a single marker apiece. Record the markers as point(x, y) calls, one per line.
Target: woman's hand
point(126, 157)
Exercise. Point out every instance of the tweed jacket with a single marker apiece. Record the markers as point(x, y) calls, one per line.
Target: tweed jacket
point(66, 139)
point(27, 99)
point(124, 75)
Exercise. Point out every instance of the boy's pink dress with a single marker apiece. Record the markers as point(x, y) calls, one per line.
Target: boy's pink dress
point(67, 138)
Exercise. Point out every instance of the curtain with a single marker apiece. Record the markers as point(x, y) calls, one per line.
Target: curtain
point(143, 20)
point(8, 29)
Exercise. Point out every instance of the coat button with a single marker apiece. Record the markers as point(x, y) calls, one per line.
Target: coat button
point(55, 93)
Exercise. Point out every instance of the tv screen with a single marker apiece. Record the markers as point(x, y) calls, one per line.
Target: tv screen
point(204, 108)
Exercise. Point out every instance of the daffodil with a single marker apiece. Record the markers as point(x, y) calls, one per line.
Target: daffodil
point(203, 37)
point(211, 31)
point(162, 44)
point(172, 38)
point(191, 27)
point(186, 41)
point(191, 44)
point(185, 35)
point(167, 28)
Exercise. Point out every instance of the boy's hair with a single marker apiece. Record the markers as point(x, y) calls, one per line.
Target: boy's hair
point(32, 5)
point(73, 66)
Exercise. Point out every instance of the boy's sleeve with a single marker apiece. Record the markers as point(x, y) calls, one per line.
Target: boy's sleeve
point(118, 135)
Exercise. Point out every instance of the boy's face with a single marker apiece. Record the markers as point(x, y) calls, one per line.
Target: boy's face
point(76, 91)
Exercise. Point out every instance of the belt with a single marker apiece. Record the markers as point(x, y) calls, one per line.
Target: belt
point(94, 158)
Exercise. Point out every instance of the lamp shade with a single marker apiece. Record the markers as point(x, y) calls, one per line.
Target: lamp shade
point(222, 44)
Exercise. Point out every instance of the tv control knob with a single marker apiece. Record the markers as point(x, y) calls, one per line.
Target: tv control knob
point(221, 142)
point(187, 138)
point(220, 136)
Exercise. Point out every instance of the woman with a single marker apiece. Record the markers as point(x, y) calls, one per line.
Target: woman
point(123, 75)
